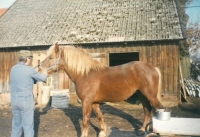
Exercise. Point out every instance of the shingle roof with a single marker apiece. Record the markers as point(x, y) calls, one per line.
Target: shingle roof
point(44, 22)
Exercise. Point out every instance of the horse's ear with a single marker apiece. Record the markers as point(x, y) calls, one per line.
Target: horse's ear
point(56, 47)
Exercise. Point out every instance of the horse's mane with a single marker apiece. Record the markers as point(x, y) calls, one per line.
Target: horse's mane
point(78, 60)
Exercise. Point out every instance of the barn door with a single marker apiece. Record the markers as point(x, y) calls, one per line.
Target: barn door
point(122, 58)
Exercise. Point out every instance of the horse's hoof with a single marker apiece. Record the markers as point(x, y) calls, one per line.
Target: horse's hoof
point(140, 132)
point(102, 134)
point(83, 135)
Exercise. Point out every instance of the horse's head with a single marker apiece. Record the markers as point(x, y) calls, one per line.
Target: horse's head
point(54, 60)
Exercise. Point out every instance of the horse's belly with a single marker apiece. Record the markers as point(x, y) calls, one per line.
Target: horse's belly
point(115, 95)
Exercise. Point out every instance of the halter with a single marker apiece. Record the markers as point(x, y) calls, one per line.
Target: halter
point(55, 65)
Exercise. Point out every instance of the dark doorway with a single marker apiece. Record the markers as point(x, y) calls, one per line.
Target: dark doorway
point(122, 58)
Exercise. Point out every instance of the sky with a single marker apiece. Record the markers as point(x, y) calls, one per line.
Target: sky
point(6, 3)
point(193, 10)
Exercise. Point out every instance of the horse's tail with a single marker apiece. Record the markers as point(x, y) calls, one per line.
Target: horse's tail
point(159, 85)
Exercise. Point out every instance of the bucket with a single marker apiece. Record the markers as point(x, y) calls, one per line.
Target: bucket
point(163, 114)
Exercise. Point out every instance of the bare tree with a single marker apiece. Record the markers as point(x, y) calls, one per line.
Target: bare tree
point(193, 41)
point(193, 36)
point(182, 5)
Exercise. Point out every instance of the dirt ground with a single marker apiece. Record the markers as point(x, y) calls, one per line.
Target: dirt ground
point(121, 118)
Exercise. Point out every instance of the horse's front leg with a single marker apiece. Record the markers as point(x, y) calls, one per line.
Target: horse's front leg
point(99, 115)
point(86, 108)
point(152, 103)
point(147, 111)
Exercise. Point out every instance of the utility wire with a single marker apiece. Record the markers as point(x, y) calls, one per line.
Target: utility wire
point(192, 6)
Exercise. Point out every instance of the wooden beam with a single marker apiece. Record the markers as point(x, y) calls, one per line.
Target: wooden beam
point(182, 81)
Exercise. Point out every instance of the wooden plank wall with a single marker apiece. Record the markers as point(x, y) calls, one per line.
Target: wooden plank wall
point(7, 59)
point(186, 67)
point(164, 55)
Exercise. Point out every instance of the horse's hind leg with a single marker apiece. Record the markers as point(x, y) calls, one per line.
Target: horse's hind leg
point(99, 115)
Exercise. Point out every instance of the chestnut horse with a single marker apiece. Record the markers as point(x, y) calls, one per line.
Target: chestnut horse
point(96, 83)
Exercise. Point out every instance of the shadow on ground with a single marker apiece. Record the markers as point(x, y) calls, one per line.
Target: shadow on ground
point(74, 112)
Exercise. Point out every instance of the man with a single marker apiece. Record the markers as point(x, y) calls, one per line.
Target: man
point(22, 78)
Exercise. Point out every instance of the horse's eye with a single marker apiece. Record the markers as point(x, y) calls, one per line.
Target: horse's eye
point(50, 57)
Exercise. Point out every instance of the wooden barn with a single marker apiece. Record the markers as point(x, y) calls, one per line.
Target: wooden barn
point(112, 31)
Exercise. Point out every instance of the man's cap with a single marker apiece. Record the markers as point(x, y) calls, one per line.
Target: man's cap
point(25, 53)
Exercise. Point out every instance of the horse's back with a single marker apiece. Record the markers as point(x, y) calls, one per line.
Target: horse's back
point(134, 72)
point(135, 68)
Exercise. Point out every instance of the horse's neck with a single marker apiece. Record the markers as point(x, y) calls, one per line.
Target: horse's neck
point(72, 75)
